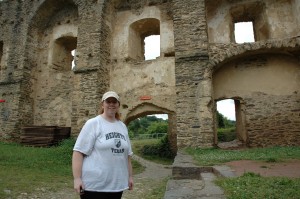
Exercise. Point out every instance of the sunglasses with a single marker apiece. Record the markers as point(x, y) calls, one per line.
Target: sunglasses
point(111, 101)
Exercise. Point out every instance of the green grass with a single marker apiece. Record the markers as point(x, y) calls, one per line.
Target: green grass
point(158, 190)
point(226, 134)
point(213, 156)
point(25, 169)
point(252, 185)
point(137, 146)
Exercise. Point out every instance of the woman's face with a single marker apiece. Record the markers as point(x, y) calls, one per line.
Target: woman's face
point(111, 106)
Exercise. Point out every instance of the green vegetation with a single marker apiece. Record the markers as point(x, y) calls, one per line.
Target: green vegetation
point(149, 125)
point(161, 149)
point(224, 122)
point(158, 190)
point(252, 185)
point(226, 128)
point(156, 150)
point(226, 134)
point(24, 169)
point(213, 156)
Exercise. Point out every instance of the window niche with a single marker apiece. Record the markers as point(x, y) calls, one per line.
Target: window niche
point(244, 32)
point(253, 14)
point(152, 47)
point(138, 31)
point(62, 54)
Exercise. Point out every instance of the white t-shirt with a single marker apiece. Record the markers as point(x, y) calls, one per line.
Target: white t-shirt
point(106, 146)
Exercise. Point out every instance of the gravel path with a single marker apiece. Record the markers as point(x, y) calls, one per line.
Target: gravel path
point(144, 183)
point(153, 170)
point(149, 180)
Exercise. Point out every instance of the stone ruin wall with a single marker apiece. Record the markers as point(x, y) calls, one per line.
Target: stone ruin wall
point(267, 109)
point(199, 64)
point(251, 82)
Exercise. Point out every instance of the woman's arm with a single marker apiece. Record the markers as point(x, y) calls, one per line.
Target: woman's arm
point(130, 182)
point(77, 160)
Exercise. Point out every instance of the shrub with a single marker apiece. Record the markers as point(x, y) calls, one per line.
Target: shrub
point(226, 134)
point(162, 149)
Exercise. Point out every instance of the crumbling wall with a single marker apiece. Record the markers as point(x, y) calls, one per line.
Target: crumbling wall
point(269, 106)
point(145, 86)
point(194, 100)
point(199, 64)
point(11, 69)
point(52, 76)
point(132, 75)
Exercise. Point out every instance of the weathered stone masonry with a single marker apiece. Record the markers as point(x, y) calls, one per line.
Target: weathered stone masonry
point(199, 64)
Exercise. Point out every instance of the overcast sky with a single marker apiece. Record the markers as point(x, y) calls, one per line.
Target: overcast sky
point(243, 32)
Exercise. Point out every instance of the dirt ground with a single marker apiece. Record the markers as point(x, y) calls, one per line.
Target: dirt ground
point(144, 183)
point(289, 168)
point(153, 175)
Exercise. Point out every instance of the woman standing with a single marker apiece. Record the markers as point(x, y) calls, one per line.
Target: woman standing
point(102, 153)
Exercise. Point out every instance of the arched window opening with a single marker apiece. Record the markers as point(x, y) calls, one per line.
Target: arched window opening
point(148, 127)
point(152, 47)
point(244, 32)
point(138, 31)
point(149, 138)
point(162, 116)
point(62, 58)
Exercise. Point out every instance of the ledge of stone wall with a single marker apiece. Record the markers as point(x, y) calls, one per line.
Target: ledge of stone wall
point(184, 167)
point(219, 52)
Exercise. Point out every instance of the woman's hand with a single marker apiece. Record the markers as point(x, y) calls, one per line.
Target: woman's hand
point(77, 160)
point(130, 183)
point(78, 185)
point(130, 180)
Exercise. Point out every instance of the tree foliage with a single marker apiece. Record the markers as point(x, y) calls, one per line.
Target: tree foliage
point(147, 125)
point(226, 128)
point(162, 149)
point(224, 122)
point(158, 127)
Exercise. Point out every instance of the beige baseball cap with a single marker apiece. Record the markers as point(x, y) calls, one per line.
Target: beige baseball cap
point(110, 94)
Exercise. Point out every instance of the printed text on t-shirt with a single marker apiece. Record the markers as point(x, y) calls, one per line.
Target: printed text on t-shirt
point(114, 135)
